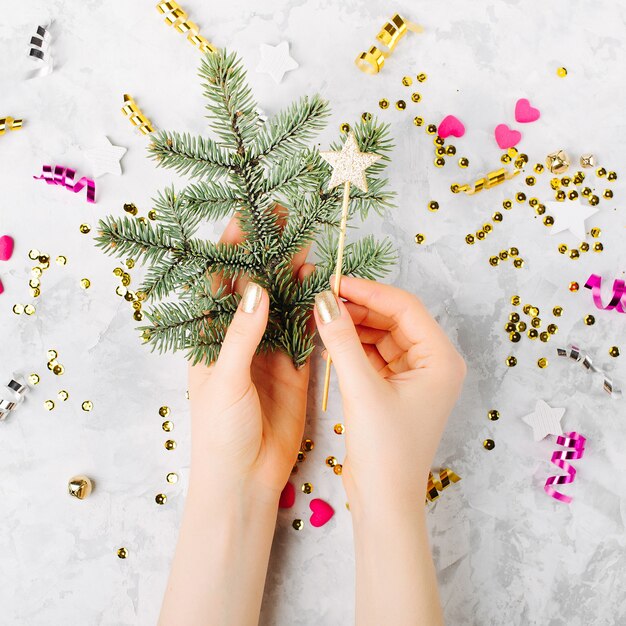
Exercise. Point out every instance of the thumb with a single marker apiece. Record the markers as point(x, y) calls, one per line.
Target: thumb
point(339, 335)
point(243, 335)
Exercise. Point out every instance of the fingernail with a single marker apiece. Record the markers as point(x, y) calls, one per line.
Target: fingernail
point(327, 307)
point(251, 298)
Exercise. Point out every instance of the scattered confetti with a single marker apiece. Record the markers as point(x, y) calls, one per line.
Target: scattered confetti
point(64, 176)
point(10, 123)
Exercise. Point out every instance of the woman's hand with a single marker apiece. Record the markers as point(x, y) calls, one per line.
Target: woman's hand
point(399, 377)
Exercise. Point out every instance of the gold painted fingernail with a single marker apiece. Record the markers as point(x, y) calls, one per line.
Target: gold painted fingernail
point(251, 298)
point(327, 307)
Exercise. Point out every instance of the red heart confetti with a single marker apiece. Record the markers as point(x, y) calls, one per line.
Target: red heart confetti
point(322, 512)
point(287, 497)
point(6, 247)
point(506, 137)
point(524, 112)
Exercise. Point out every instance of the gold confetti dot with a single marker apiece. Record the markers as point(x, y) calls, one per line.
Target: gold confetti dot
point(52, 354)
point(122, 553)
point(419, 238)
point(597, 247)
point(614, 351)
point(451, 150)
point(595, 232)
point(507, 204)
point(338, 469)
point(607, 194)
point(138, 316)
point(164, 411)
point(589, 320)
point(538, 168)
point(33, 379)
point(421, 77)
point(172, 478)
point(416, 97)
point(497, 217)
point(561, 72)
point(433, 205)
point(85, 228)
point(36, 271)
point(331, 461)
point(511, 361)
point(493, 415)
point(49, 405)
point(542, 362)
point(383, 103)
point(129, 207)
point(489, 444)
point(418, 121)
point(298, 524)
point(85, 283)
point(168, 426)
point(87, 405)
point(407, 81)
point(557, 311)
point(160, 498)
point(339, 429)
point(521, 326)
point(170, 444)
point(63, 395)
point(307, 445)
point(152, 214)
point(600, 172)
point(307, 488)
point(130, 263)
point(463, 162)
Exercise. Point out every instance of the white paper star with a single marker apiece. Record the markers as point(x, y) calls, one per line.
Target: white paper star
point(570, 215)
point(276, 61)
point(544, 420)
point(349, 164)
point(106, 158)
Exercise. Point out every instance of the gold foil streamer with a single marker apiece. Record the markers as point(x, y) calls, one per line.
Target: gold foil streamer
point(487, 182)
point(175, 16)
point(437, 484)
point(372, 61)
point(136, 117)
point(9, 123)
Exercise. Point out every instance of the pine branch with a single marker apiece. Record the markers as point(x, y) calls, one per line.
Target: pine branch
point(175, 216)
point(211, 200)
point(197, 156)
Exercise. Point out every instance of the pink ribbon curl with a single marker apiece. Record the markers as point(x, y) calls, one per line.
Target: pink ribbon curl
point(618, 301)
point(576, 445)
point(64, 176)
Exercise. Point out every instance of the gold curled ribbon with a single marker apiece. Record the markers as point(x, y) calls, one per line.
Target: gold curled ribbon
point(435, 485)
point(136, 117)
point(175, 16)
point(372, 61)
point(487, 182)
point(8, 123)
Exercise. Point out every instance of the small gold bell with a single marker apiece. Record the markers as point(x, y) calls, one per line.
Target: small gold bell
point(80, 487)
point(587, 160)
point(557, 162)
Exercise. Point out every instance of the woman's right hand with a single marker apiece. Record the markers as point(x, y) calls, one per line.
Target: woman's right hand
point(399, 377)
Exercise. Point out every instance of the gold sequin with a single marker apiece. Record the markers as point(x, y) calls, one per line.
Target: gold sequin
point(557, 311)
point(339, 429)
point(544, 336)
point(164, 411)
point(307, 445)
point(431, 129)
point(574, 286)
point(298, 524)
point(561, 72)
point(611, 176)
point(307, 488)
point(160, 498)
point(338, 469)
point(493, 415)
point(416, 97)
point(331, 461)
point(507, 204)
point(562, 248)
point(489, 444)
point(574, 254)
point(614, 351)
point(170, 444)
point(469, 239)
point(61, 260)
point(594, 200)
point(515, 300)
point(122, 553)
point(167, 426)
point(172, 478)
point(407, 81)
point(49, 405)
point(400, 105)
point(418, 121)
point(597, 247)
point(518, 263)
point(463, 162)
point(440, 162)
point(33, 379)
point(301, 456)
point(542, 362)
point(63, 395)
point(87, 405)
point(383, 103)
point(511, 361)
point(530, 180)
point(84, 228)
point(595, 232)
point(419, 238)
point(421, 77)
point(29, 309)
point(589, 320)
point(85, 283)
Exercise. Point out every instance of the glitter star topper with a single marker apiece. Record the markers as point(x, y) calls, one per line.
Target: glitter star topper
point(348, 165)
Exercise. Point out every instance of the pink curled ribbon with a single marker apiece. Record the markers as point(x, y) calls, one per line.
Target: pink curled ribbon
point(618, 301)
point(64, 176)
point(576, 445)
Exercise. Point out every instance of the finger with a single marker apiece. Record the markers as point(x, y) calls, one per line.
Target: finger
point(374, 357)
point(299, 259)
point(339, 335)
point(242, 338)
point(403, 308)
point(384, 341)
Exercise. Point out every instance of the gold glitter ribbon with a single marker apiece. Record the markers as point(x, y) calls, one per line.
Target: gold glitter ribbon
point(437, 484)
point(175, 16)
point(8, 123)
point(137, 118)
point(372, 61)
point(492, 179)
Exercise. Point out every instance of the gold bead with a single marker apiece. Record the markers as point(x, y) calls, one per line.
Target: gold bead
point(614, 351)
point(170, 444)
point(160, 498)
point(542, 362)
point(463, 162)
point(493, 415)
point(80, 487)
point(433, 205)
point(307, 488)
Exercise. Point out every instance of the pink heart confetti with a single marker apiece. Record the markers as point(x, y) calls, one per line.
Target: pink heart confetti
point(6, 247)
point(322, 512)
point(1, 287)
point(451, 125)
point(524, 112)
point(287, 497)
point(506, 137)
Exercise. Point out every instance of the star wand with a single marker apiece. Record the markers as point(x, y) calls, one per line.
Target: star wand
point(348, 167)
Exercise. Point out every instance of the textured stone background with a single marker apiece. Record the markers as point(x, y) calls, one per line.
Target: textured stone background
point(505, 552)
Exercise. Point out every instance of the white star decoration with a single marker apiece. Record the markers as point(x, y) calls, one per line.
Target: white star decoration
point(570, 215)
point(349, 164)
point(544, 420)
point(276, 61)
point(106, 158)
